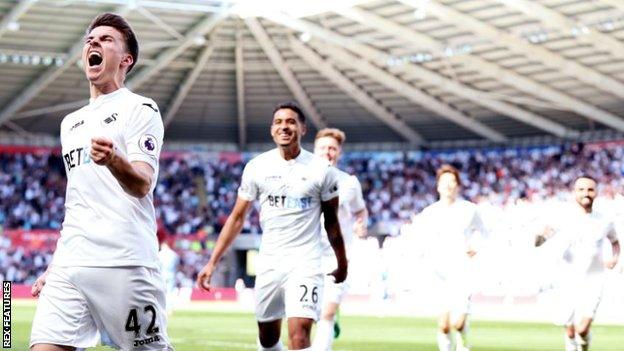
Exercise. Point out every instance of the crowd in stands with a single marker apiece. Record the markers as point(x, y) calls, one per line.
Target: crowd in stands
point(196, 191)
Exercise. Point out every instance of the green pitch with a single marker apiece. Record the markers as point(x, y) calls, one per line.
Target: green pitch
point(196, 331)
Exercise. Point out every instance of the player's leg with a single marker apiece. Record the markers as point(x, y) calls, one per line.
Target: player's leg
point(303, 292)
point(460, 324)
point(269, 336)
point(62, 320)
point(569, 338)
point(128, 306)
point(269, 298)
point(444, 332)
point(324, 336)
point(583, 334)
point(299, 330)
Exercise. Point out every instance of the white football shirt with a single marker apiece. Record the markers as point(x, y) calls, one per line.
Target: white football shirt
point(290, 194)
point(580, 238)
point(351, 201)
point(104, 226)
point(451, 232)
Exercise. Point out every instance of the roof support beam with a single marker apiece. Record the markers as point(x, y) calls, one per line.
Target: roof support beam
point(555, 19)
point(328, 71)
point(509, 77)
point(13, 16)
point(285, 72)
point(46, 78)
point(516, 44)
point(618, 4)
point(199, 30)
point(409, 91)
point(187, 84)
point(240, 91)
point(371, 54)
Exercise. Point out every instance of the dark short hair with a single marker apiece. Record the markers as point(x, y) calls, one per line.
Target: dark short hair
point(119, 23)
point(446, 168)
point(586, 176)
point(291, 105)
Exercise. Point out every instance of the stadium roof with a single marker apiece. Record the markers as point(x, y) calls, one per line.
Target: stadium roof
point(409, 71)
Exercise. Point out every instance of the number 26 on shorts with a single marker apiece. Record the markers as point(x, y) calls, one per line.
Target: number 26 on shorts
point(313, 294)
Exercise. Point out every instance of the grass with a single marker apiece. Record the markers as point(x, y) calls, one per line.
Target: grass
point(221, 331)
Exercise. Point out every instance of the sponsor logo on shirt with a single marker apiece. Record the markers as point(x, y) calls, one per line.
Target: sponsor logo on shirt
point(76, 157)
point(148, 144)
point(272, 178)
point(288, 202)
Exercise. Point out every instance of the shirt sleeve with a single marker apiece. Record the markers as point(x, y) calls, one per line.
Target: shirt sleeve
point(357, 202)
point(329, 186)
point(248, 189)
point(144, 135)
point(611, 233)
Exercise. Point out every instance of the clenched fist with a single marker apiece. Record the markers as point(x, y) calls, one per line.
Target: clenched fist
point(102, 151)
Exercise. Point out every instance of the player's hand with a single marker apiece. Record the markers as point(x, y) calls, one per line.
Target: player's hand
point(38, 285)
point(359, 228)
point(203, 278)
point(339, 274)
point(102, 151)
point(611, 263)
point(471, 253)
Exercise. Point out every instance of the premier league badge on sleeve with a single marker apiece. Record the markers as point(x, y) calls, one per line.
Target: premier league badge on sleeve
point(148, 144)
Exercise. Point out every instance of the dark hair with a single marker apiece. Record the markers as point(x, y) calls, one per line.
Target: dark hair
point(291, 105)
point(119, 23)
point(586, 176)
point(446, 168)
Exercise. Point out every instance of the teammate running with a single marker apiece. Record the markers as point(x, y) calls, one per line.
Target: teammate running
point(451, 224)
point(579, 238)
point(104, 280)
point(294, 187)
point(353, 218)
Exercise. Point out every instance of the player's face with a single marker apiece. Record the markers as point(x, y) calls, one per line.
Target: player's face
point(585, 192)
point(104, 55)
point(286, 129)
point(328, 148)
point(447, 186)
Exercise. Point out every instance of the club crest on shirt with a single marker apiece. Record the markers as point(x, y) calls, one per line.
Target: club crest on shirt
point(110, 119)
point(148, 144)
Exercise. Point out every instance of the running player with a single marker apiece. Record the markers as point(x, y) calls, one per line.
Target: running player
point(451, 224)
point(104, 281)
point(580, 237)
point(294, 187)
point(353, 218)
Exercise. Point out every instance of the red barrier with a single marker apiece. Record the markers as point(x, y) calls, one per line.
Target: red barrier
point(38, 239)
point(218, 294)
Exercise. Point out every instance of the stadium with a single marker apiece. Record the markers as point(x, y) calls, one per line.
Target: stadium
point(519, 103)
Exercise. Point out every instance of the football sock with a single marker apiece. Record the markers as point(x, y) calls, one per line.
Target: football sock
point(583, 342)
point(324, 335)
point(461, 339)
point(570, 343)
point(444, 341)
point(277, 347)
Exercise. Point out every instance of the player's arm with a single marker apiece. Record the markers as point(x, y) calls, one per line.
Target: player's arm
point(332, 227)
point(233, 226)
point(544, 235)
point(615, 248)
point(361, 221)
point(134, 177)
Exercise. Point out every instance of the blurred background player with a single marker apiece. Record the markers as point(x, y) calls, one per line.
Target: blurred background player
point(105, 277)
point(294, 187)
point(578, 239)
point(450, 225)
point(169, 262)
point(353, 218)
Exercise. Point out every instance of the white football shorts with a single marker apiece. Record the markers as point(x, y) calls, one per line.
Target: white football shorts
point(124, 307)
point(295, 293)
point(333, 292)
